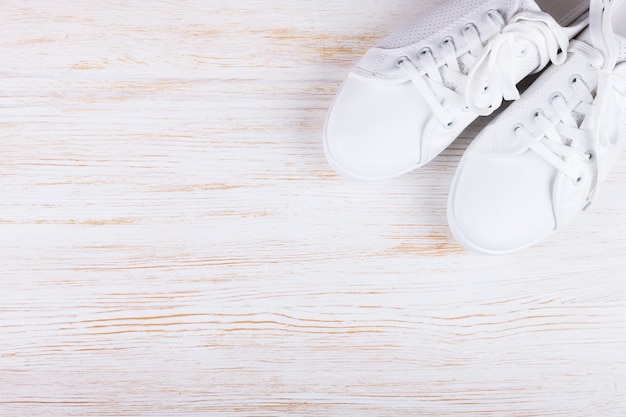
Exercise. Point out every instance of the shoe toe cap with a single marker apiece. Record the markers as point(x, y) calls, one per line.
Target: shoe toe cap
point(373, 129)
point(502, 204)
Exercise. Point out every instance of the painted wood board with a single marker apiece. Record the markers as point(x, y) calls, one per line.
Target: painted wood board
point(173, 242)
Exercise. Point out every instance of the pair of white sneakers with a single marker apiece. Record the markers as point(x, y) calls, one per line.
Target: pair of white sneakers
point(541, 160)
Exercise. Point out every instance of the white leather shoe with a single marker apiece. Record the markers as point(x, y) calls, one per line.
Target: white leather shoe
point(542, 160)
point(414, 93)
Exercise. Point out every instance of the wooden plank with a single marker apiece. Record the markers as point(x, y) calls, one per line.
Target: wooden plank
point(173, 243)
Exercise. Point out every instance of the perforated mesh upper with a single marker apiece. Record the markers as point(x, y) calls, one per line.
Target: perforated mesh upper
point(431, 22)
point(621, 50)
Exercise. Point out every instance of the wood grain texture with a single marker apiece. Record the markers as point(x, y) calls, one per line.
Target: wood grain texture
point(173, 243)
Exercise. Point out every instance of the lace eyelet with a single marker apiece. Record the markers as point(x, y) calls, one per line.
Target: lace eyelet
point(590, 156)
point(580, 180)
point(490, 13)
point(537, 113)
point(469, 26)
point(555, 96)
point(574, 79)
point(450, 125)
point(401, 60)
point(517, 127)
point(447, 40)
point(425, 51)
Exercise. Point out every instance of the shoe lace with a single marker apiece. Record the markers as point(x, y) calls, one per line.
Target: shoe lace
point(563, 141)
point(538, 28)
point(451, 81)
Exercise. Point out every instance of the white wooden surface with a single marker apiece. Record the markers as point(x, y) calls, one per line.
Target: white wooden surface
point(173, 243)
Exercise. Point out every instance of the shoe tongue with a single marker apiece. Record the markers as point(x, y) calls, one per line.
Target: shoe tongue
point(519, 71)
point(527, 5)
point(618, 21)
point(516, 6)
point(621, 47)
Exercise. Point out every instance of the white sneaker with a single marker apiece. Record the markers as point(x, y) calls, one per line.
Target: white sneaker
point(412, 95)
point(541, 161)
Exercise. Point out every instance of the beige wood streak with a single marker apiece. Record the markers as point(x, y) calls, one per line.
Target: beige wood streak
point(172, 241)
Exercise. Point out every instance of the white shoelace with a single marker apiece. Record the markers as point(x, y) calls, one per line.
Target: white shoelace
point(438, 84)
point(563, 141)
point(541, 30)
